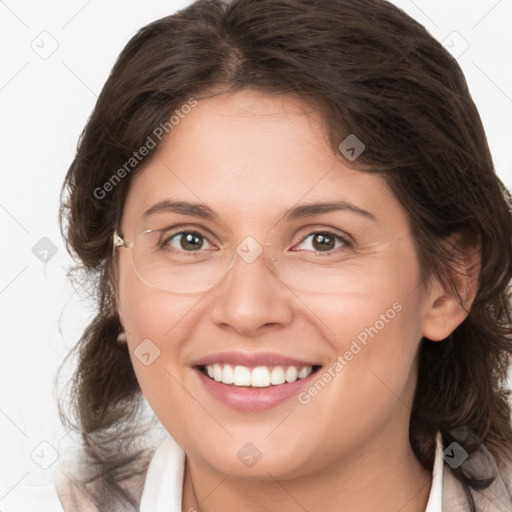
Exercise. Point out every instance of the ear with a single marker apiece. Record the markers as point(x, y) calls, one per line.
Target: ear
point(443, 312)
point(121, 338)
point(114, 294)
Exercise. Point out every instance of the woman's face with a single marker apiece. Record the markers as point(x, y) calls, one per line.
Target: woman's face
point(251, 159)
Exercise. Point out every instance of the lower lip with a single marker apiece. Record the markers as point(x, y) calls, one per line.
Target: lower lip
point(249, 398)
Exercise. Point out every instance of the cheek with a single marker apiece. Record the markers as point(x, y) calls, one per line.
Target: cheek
point(157, 325)
point(147, 312)
point(381, 298)
point(374, 328)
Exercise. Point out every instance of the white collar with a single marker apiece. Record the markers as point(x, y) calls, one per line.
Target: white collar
point(164, 479)
point(435, 498)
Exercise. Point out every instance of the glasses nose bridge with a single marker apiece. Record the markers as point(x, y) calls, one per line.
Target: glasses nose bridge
point(251, 254)
point(250, 250)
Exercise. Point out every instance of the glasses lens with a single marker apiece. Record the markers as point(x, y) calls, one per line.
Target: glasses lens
point(310, 277)
point(178, 266)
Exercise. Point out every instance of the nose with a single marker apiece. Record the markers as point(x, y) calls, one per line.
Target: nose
point(251, 298)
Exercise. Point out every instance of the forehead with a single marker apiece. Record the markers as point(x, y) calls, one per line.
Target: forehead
point(251, 156)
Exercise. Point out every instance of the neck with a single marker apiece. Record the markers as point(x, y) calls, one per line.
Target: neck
point(384, 476)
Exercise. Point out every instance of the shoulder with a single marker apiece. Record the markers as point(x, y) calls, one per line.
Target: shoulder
point(67, 492)
point(496, 497)
point(64, 495)
point(24, 498)
point(61, 496)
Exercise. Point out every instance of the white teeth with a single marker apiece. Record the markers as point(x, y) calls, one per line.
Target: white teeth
point(217, 372)
point(242, 376)
point(291, 374)
point(228, 375)
point(259, 377)
point(277, 376)
point(303, 372)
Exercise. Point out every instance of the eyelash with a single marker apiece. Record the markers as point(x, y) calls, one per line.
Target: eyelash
point(343, 240)
point(346, 243)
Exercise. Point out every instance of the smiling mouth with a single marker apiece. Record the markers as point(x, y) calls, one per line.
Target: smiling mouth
point(257, 377)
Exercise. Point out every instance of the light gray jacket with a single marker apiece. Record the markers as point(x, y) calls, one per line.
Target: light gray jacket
point(167, 464)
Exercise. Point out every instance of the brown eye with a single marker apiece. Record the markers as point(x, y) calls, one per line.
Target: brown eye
point(185, 241)
point(323, 241)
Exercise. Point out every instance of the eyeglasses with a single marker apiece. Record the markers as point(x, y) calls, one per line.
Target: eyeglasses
point(175, 261)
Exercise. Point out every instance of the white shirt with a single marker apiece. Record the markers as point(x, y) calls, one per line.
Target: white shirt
point(167, 465)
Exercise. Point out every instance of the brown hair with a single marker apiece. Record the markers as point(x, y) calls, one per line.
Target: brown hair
point(370, 70)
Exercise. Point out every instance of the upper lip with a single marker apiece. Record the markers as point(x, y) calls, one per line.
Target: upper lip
point(252, 359)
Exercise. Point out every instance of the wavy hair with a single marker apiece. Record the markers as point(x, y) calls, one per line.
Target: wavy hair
point(368, 69)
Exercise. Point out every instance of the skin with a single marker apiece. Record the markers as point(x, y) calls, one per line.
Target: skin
point(250, 157)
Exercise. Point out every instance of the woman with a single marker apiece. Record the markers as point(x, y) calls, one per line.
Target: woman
point(301, 253)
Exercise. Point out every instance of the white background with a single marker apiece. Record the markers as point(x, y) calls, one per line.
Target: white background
point(45, 103)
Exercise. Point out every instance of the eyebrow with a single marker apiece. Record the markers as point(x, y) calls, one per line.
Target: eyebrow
point(299, 212)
